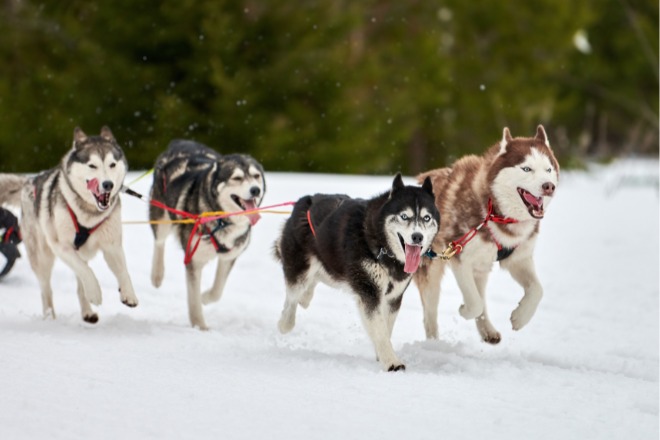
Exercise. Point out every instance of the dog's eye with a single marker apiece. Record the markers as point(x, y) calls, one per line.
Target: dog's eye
point(256, 176)
point(526, 169)
point(404, 216)
point(92, 166)
point(549, 170)
point(427, 218)
point(237, 179)
point(113, 164)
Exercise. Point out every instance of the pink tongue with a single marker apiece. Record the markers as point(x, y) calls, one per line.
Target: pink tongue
point(532, 200)
point(254, 217)
point(413, 257)
point(93, 186)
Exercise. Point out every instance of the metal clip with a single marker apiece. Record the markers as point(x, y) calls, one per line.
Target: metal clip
point(452, 249)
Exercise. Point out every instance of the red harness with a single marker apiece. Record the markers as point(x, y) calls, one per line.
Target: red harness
point(82, 233)
point(456, 246)
point(309, 221)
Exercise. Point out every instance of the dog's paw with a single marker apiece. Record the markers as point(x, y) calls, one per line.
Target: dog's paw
point(286, 325)
point(488, 333)
point(492, 338)
point(128, 300)
point(471, 312)
point(157, 279)
point(91, 318)
point(49, 313)
point(201, 326)
point(208, 297)
point(521, 316)
point(397, 367)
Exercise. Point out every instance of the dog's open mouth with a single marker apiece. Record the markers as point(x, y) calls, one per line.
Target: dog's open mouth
point(248, 205)
point(102, 198)
point(413, 256)
point(534, 204)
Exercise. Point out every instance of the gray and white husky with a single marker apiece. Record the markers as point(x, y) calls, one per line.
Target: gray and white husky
point(500, 197)
point(71, 212)
point(191, 177)
point(370, 248)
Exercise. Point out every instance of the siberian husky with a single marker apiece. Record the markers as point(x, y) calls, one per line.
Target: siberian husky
point(368, 247)
point(72, 211)
point(191, 177)
point(507, 190)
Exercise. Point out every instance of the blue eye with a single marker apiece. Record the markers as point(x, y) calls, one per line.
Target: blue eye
point(427, 218)
point(404, 217)
point(526, 169)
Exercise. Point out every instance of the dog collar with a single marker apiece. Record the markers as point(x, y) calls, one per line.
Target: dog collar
point(82, 233)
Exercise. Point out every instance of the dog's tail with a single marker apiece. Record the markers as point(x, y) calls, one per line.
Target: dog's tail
point(10, 188)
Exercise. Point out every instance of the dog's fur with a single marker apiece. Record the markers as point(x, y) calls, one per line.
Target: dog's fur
point(513, 173)
point(191, 177)
point(87, 181)
point(358, 245)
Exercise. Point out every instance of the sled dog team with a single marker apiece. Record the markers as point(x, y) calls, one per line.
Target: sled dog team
point(480, 210)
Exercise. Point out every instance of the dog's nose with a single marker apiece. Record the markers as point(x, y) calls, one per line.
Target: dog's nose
point(548, 188)
point(255, 191)
point(108, 185)
point(417, 238)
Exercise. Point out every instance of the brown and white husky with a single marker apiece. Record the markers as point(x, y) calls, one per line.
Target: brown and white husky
point(491, 207)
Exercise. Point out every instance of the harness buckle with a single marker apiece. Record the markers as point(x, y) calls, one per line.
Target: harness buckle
point(452, 249)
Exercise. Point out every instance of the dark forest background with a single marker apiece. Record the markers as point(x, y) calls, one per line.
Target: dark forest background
point(341, 86)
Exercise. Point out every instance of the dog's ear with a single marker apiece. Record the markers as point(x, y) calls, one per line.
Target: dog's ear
point(397, 184)
point(541, 136)
point(428, 186)
point(78, 137)
point(107, 134)
point(506, 138)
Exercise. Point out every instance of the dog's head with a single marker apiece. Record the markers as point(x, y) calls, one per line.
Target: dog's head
point(240, 185)
point(96, 168)
point(524, 175)
point(411, 221)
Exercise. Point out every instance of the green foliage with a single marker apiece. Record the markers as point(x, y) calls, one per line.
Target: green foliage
point(332, 86)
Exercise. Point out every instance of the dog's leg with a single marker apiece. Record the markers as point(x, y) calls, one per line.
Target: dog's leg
point(84, 273)
point(486, 329)
point(473, 305)
point(394, 305)
point(114, 256)
point(42, 264)
point(88, 315)
point(307, 296)
point(161, 231)
point(377, 326)
point(193, 280)
point(524, 273)
point(428, 284)
point(221, 275)
point(40, 257)
point(294, 293)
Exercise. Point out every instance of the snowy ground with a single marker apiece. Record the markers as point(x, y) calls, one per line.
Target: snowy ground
point(586, 367)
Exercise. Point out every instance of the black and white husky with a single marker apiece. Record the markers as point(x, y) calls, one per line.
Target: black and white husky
point(71, 212)
point(368, 247)
point(491, 207)
point(193, 178)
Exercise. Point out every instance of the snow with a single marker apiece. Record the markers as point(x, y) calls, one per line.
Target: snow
point(586, 367)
